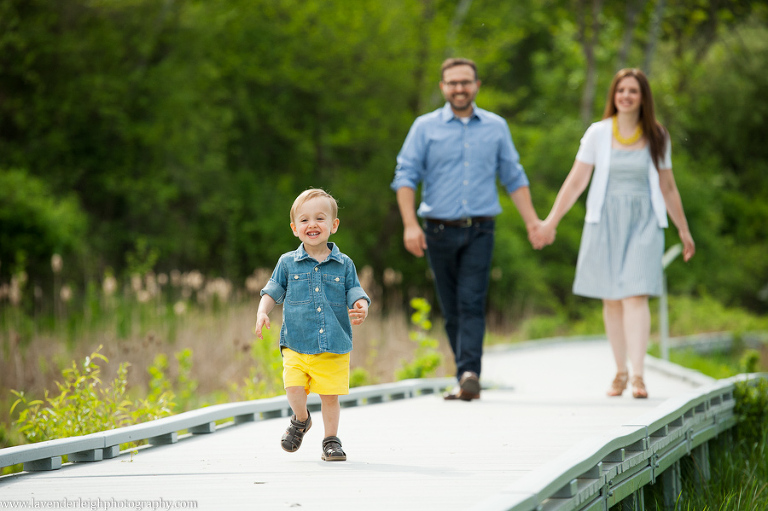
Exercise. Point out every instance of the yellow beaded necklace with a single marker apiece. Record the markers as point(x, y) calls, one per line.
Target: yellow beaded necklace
point(626, 141)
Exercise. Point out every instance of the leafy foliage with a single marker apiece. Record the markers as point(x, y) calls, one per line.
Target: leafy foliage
point(83, 405)
point(426, 358)
point(265, 377)
point(162, 135)
point(35, 223)
point(752, 411)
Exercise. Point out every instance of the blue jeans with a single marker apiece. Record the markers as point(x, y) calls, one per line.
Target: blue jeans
point(460, 259)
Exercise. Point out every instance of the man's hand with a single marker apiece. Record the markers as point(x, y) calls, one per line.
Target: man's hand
point(542, 234)
point(414, 240)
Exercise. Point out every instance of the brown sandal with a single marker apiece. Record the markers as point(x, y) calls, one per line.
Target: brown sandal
point(332, 450)
point(619, 384)
point(638, 388)
point(293, 436)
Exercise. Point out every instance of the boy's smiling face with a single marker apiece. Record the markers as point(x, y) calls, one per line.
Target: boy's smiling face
point(313, 223)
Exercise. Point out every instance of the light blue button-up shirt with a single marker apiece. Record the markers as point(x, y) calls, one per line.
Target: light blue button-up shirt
point(316, 298)
point(457, 164)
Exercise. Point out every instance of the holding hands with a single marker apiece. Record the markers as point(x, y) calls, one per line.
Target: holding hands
point(542, 233)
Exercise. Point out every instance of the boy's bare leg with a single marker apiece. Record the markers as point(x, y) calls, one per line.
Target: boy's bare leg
point(297, 398)
point(331, 414)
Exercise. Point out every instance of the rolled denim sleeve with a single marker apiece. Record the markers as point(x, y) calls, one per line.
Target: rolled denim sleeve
point(276, 286)
point(410, 168)
point(511, 173)
point(354, 289)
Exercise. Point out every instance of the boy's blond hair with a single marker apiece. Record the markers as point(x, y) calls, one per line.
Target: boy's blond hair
point(313, 193)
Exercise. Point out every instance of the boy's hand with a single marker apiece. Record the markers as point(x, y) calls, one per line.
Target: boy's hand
point(262, 320)
point(359, 311)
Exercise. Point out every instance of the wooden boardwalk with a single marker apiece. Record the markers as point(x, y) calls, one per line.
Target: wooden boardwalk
point(414, 454)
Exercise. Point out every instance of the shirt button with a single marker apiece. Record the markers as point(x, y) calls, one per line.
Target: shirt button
point(321, 330)
point(466, 145)
point(319, 309)
point(296, 277)
point(464, 201)
point(466, 164)
point(337, 279)
point(466, 182)
point(317, 290)
point(316, 268)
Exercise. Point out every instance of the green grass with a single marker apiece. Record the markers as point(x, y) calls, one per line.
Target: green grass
point(738, 464)
point(738, 458)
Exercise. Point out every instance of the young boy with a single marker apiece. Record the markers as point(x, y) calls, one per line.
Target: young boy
point(322, 298)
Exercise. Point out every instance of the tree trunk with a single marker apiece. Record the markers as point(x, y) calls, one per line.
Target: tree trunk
point(420, 71)
point(633, 9)
point(653, 34)
point(588, 37)
point(458, 20)
point(462, 8)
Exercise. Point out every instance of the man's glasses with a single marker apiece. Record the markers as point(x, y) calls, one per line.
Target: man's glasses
point(463, 83)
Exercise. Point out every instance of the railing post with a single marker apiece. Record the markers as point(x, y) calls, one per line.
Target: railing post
point(701, 463)
point(671, 479)
point(666, 260)
point(664, 318)
point(635, 502)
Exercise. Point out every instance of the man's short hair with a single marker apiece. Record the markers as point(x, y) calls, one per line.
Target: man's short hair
point(452, 62)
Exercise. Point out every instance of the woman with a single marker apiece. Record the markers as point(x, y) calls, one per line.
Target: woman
point(631, 193)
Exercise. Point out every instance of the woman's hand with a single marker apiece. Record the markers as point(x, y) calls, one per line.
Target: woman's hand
point(689, 247)
point(542, 234)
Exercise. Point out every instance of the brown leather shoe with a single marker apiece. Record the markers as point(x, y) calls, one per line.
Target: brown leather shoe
point(458, 394)
point(470, 383)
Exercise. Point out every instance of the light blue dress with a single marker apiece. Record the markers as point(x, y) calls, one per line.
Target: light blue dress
point(620, 256)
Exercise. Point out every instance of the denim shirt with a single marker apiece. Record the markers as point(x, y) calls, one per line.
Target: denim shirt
point(458, 164)
point(316, 299)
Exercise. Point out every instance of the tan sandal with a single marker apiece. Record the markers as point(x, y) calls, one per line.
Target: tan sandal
point(638, 388)
point(619, 384)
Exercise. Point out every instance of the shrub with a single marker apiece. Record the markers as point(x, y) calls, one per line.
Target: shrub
point(265, 377)
point(83, 405)
point(426, 359)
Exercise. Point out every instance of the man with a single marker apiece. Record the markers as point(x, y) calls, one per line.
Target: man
point(457, 153)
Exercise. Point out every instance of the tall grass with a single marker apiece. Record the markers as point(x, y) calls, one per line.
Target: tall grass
point(738, 464)
point(183, 332)
point(191, 336)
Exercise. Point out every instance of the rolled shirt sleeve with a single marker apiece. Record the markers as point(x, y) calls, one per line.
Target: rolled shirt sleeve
point(354, 290)
point(511, 173)
point(410, 168)
point(277, 285)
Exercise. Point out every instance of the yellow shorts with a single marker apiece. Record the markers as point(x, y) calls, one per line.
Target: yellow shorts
point(324, 373)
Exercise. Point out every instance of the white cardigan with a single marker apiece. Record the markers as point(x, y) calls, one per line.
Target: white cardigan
point(595, 149)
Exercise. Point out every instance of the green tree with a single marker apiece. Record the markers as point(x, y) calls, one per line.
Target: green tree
point(35, 224)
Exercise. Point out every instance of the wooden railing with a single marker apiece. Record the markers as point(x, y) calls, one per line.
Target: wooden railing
point(106, 444)
point(614, 467)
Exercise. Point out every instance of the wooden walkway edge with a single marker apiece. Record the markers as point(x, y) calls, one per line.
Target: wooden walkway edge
point(540, 402)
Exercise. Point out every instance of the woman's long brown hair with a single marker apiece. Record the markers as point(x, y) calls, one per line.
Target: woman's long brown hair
point(653, 129)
